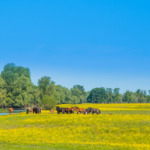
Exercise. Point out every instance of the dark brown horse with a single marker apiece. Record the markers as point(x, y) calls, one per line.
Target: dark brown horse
point(37, 110)
point(10, 110)
point(69, 110)
point(59, 110)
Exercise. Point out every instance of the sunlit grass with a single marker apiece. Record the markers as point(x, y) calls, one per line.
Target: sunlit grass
point(124, 130)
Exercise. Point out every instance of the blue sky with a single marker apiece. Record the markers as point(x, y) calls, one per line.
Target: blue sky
point(91, 43)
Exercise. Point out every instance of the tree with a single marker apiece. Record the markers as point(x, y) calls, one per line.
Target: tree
point(81, 88)
point(79, 92)
point(48, 102)
point(61, 93)
point(22, 92)
point(11, 72)
point(43, 83)
point(68, 98)
point(117, 96)
point(141, 96)
point(97, 95)
point(129, 97)
point(3, 91)
point(109, 95)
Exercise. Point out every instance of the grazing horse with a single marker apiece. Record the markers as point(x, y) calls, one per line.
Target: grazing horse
point(80, 110)
point(29, 110)
point(69, 110)
point(60, 110)
point(52, 111)
point(40, 110)
point(10, 110)
point(88, 110)
point(75, 108)
point(95, 110)
point(35, 110)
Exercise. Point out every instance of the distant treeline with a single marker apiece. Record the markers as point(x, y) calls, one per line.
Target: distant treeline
point(17, 90)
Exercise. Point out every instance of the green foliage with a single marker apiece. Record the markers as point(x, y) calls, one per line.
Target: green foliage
point(48, 102)
point(79, 92)
point(11, 72)
point(43, 83)
point(16, 90)
point(97, 95)
point(3, 91)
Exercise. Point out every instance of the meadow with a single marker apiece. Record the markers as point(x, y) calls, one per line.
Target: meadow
point(118, 127)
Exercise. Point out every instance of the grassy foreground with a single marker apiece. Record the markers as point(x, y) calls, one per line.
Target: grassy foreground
point(128, 128)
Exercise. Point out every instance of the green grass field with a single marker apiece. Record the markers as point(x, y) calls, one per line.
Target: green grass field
point(128, 128)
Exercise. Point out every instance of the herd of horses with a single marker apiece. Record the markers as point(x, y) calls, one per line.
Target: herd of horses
point(59, 110)
point(78, 110)
point(35, 110)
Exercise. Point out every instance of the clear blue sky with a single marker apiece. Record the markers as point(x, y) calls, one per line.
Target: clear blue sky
point(90, 42)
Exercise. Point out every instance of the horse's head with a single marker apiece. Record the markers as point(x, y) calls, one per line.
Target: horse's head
point(57, 107)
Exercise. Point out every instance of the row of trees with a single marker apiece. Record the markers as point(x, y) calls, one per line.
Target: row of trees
point(17, 90)
point(102, 95)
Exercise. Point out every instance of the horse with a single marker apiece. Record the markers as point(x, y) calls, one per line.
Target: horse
point(88, 110)
point(75, 108)
point(60, 110)
point(40, 110)
point(85, 112)
point(29, 110)
point(52, 111)
point(80, 110)
point(10, 110)
point(95, 110)
point(69, 110)
point(36, 110)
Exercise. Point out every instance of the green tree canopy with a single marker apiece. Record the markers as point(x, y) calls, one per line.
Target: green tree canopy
point(43, 83)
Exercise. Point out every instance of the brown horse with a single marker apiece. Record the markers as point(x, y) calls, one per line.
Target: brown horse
point(40, 110)
point(80, 110)
point(69, 110)
point(10, 110)
point(75, 108)
point(52, 111)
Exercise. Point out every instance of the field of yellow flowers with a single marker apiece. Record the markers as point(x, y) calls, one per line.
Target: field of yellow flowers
point(127, 128)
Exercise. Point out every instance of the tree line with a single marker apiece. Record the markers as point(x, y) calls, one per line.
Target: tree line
point(17, 90)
